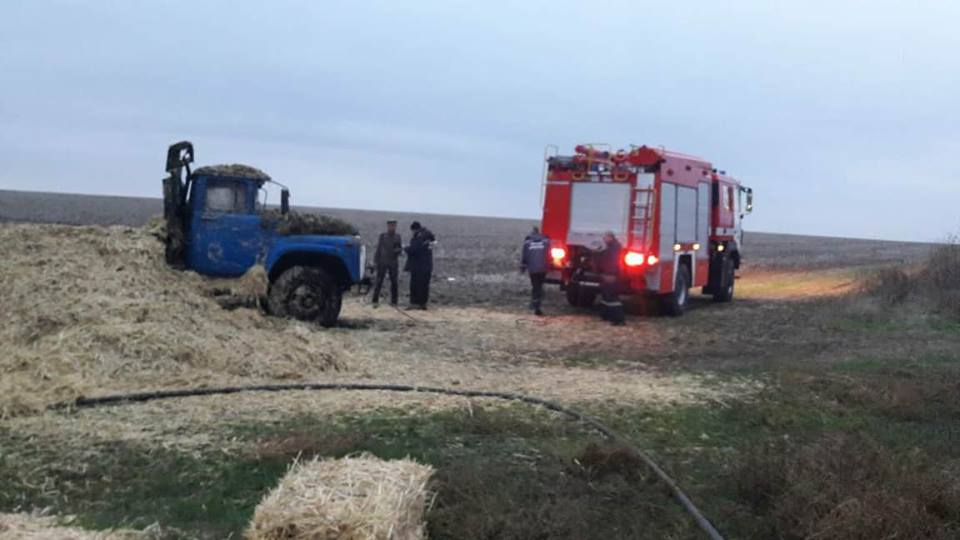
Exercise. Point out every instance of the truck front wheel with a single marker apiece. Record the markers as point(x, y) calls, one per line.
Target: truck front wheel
point(306, 293)
point(675, 303)
point(724, 292)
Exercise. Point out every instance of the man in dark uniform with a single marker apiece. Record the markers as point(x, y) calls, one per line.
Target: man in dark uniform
point(536, 248)
point(387, 261)
point(609, 269)
point(420, 265)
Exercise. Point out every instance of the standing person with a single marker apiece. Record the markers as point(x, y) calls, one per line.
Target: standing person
point(420, 265)
point(609, 269)
point(534, 261)
point(387, 261)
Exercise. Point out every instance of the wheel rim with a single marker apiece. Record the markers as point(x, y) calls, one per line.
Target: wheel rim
point(306, 302)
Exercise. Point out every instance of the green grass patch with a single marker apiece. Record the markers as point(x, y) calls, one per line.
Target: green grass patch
point(513, 472)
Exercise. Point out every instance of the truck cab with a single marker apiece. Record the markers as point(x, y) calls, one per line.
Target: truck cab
point(218, 224)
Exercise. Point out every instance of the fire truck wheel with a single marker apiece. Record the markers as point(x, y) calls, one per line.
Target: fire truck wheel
point(307, 294)
point(580, 297)
point(727, 272)
point(675, 303)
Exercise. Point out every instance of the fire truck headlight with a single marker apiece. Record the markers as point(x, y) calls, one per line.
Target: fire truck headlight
point(721, 247)
point(652, 260)
point(558, 254)
point(633, 258)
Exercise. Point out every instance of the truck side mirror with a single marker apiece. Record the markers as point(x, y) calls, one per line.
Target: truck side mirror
point(749, 201)
point(285, 201)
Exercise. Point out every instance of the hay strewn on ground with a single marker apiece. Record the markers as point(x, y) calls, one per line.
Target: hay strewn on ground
point(36, 527)
point(356, 498)
point(87, 310)
point(293, 223)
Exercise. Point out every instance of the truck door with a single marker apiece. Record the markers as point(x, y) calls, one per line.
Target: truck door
point(225, 234)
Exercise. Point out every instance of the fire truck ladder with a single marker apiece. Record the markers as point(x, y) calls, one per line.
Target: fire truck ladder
point(642, 217)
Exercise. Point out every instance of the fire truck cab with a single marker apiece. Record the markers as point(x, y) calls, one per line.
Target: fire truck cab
point(677, 217)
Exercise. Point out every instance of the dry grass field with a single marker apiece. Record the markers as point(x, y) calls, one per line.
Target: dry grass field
point(822, 403)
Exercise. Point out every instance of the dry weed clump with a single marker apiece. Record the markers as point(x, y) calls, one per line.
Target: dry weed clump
point(354, 498)
point(941, 278)
point(942, 269)
point(935, 285)
point(891, 285)
point(95, 309)
point(848, 487)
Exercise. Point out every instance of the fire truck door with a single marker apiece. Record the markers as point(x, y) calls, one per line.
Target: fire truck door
point(661, 279)
point(702, 264)
point(687, 214)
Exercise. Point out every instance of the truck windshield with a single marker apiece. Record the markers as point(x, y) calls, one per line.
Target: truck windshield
point(228, 197)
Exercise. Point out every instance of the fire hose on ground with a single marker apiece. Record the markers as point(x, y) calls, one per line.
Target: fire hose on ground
point(140, 397)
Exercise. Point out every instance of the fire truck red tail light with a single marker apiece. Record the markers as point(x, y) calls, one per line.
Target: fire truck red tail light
point(558, 253)
point(632, 258)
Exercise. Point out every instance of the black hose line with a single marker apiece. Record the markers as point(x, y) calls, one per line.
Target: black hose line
point(140, 397)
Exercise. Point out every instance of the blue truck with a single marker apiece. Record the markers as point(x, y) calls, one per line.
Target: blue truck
point(218, 224)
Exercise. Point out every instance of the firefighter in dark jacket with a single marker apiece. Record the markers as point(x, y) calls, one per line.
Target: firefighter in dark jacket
point(609, 269)
point(387, 262)
point(420, 265)
point(533, 261)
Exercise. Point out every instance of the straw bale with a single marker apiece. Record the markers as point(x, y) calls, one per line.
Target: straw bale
point(235, 170)
point(354, 498)
point(293, 223)
point(94, 309)
point(25, 526)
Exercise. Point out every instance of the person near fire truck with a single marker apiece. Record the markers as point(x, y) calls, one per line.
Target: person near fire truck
point(608, 266)
point(386, 259)
point(420, 265)
point(533, 261)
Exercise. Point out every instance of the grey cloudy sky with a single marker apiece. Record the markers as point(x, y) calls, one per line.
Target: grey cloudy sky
point(841, 114)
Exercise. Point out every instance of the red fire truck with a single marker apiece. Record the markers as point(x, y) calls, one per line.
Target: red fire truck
point(677, 217)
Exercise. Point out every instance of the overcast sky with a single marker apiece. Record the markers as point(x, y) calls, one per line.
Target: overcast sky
point(842, 115)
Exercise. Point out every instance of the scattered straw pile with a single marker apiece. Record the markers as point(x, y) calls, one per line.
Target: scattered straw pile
point(37, 527)
point(89, 310)
point(249, 290)
point(356, 498)
point(235, 170)
point(294, 223)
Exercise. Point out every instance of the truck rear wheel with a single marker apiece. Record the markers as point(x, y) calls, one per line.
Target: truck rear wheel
point(675, 303)
point(580, 297)
point(306, 293)
point(724, 292)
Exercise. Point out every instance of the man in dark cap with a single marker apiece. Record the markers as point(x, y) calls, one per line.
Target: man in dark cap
point(609, 269)
point(420, 265)
point(536, 248)
point(387, 262)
